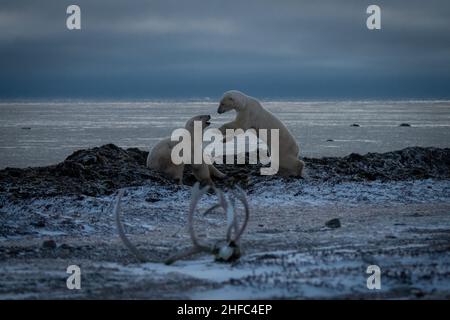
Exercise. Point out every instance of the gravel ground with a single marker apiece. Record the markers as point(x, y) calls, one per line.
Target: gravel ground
point(291, 250)
point(307, 238)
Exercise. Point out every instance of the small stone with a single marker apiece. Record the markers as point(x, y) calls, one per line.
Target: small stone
point(355, 125)
point(49, 244)
point(333, 223)
point(417, 292)
point(152, 199)
point(330, 140)
point(40, 223)
point(404, 125)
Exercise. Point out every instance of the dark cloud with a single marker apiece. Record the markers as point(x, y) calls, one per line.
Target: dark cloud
point(197, 48)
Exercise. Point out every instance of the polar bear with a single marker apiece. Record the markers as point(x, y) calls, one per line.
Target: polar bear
point(160, 158)
point(251, 115)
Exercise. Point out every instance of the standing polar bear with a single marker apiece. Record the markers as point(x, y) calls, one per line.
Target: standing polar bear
point(160, 158)
point(251, 115)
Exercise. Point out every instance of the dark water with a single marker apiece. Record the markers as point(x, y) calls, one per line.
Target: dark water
point(42, 133)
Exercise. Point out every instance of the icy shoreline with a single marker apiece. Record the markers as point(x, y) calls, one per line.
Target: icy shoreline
point(289, 252)
point(103, 170)
point(63, 215)
point(399, 222)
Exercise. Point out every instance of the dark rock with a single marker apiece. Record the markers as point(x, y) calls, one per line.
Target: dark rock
point(39, 223)
point(103, 170)
point(407, 164)
point(152, 198)
point(92, 172)
point(49, 244)
point(330, 140)
point(404, 125)
point(25, 128)
point(355, 125)
point(333, 223)
point(355, 157)
point(417, 292)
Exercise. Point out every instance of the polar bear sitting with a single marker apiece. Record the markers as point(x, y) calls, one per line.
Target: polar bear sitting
point(251, 115)
point(160, 158)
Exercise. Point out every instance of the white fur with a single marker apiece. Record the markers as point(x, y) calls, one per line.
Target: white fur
point(250, 114)
point(160, 158)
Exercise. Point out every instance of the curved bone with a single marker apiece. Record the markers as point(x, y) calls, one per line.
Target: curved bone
point(232, 222)
point(121, 230)
point(197, 193)
point(240, 195)
point(235, 218)
point(229, 206)
point(229, 212)
point(182, 255)
point(214, 207)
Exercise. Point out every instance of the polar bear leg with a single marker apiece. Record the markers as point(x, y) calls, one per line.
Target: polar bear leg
point(214, 172)
point(229, 125)
point(175, 172)
point(291, 166)
point(300, 167)
point(201, 173)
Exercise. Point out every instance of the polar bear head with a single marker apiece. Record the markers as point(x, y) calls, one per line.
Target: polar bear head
point(204, 119)
point(232, 100)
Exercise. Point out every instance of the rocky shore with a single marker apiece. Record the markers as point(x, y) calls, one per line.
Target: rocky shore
point(103, 170)
point(306, 238)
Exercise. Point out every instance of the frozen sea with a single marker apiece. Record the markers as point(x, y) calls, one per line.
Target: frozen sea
point(43, 133)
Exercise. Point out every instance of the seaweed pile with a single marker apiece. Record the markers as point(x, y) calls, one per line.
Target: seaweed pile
point(102, 170)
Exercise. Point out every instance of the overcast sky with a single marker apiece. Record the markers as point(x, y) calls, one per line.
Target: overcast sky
point(200, 48)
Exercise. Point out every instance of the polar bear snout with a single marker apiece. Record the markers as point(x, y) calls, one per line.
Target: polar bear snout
point(204, 119)
point(207, 122)
point(221, 108)
point(225, 106)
